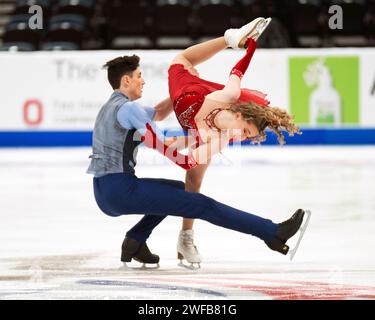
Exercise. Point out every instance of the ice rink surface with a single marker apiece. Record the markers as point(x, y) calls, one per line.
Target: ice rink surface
point(56, 244)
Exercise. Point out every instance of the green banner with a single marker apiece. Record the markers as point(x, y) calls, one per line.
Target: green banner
point(324, 91)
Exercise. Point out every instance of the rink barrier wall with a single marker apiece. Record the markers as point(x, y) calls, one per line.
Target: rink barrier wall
point(357, 136)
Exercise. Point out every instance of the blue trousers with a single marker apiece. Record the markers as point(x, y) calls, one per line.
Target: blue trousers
point(121, 194)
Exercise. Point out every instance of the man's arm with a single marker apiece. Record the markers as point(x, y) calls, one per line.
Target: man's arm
point(163, 109)
point(133, 116)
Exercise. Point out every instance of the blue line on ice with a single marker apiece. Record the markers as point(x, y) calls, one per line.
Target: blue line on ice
point(149, 285)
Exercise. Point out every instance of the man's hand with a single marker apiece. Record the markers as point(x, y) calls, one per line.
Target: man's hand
point(163, 109)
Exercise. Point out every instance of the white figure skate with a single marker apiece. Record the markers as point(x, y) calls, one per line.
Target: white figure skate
point(187, 250)
point(236, 38)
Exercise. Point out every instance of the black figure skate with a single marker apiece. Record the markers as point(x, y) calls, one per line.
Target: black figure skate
point(288, 229)
point(132, 249)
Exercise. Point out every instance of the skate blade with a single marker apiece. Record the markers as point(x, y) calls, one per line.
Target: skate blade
point(260, 27)
point(144, 266)
point(251, 34)
point(302, 230)
point(190, 267)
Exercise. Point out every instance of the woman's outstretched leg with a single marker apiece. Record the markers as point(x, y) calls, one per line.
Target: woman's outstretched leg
point(200, 52)
point(186, 248)
point(203, 51)
point(234, 38)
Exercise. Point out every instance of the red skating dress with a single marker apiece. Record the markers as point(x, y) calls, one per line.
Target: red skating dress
point(188, 92)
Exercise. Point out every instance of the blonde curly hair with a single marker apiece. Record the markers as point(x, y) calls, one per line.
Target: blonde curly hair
point(275, 119)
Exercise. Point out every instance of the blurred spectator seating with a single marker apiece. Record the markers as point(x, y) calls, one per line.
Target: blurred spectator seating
point(173, 23)
point(23, 6)
point(215, 16)
point(129, 24)
point(58, 45)
point(306, 22)
point(353, 31)
point(18, 30)
point(17, 46)
point(149, 24)
point(82, 7)
point(71, 28)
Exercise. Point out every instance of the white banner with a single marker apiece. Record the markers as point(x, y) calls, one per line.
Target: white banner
point(65, 90)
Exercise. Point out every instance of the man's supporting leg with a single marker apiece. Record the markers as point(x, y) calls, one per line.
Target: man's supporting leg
point(134, 245)
point(142, 230)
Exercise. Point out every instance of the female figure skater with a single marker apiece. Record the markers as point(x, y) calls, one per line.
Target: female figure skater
point(214, 114)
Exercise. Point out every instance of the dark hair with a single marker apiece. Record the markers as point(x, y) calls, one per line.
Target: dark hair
point(121, 66)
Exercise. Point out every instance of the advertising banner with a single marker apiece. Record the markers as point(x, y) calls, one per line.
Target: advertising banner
point(63, 92)
point(324, 90)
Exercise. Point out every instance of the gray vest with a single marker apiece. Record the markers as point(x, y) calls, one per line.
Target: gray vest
point(114, 148)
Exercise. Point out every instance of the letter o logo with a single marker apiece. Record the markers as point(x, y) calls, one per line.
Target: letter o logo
point(33, 112)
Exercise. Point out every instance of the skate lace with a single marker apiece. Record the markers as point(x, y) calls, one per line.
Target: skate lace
point(188, 247)
point(188, 240)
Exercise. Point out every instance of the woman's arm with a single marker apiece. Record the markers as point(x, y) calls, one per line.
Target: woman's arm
point(204, 153)
point(151, 140)
point(179, 142)
point(230, 93)
point(232, 89)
